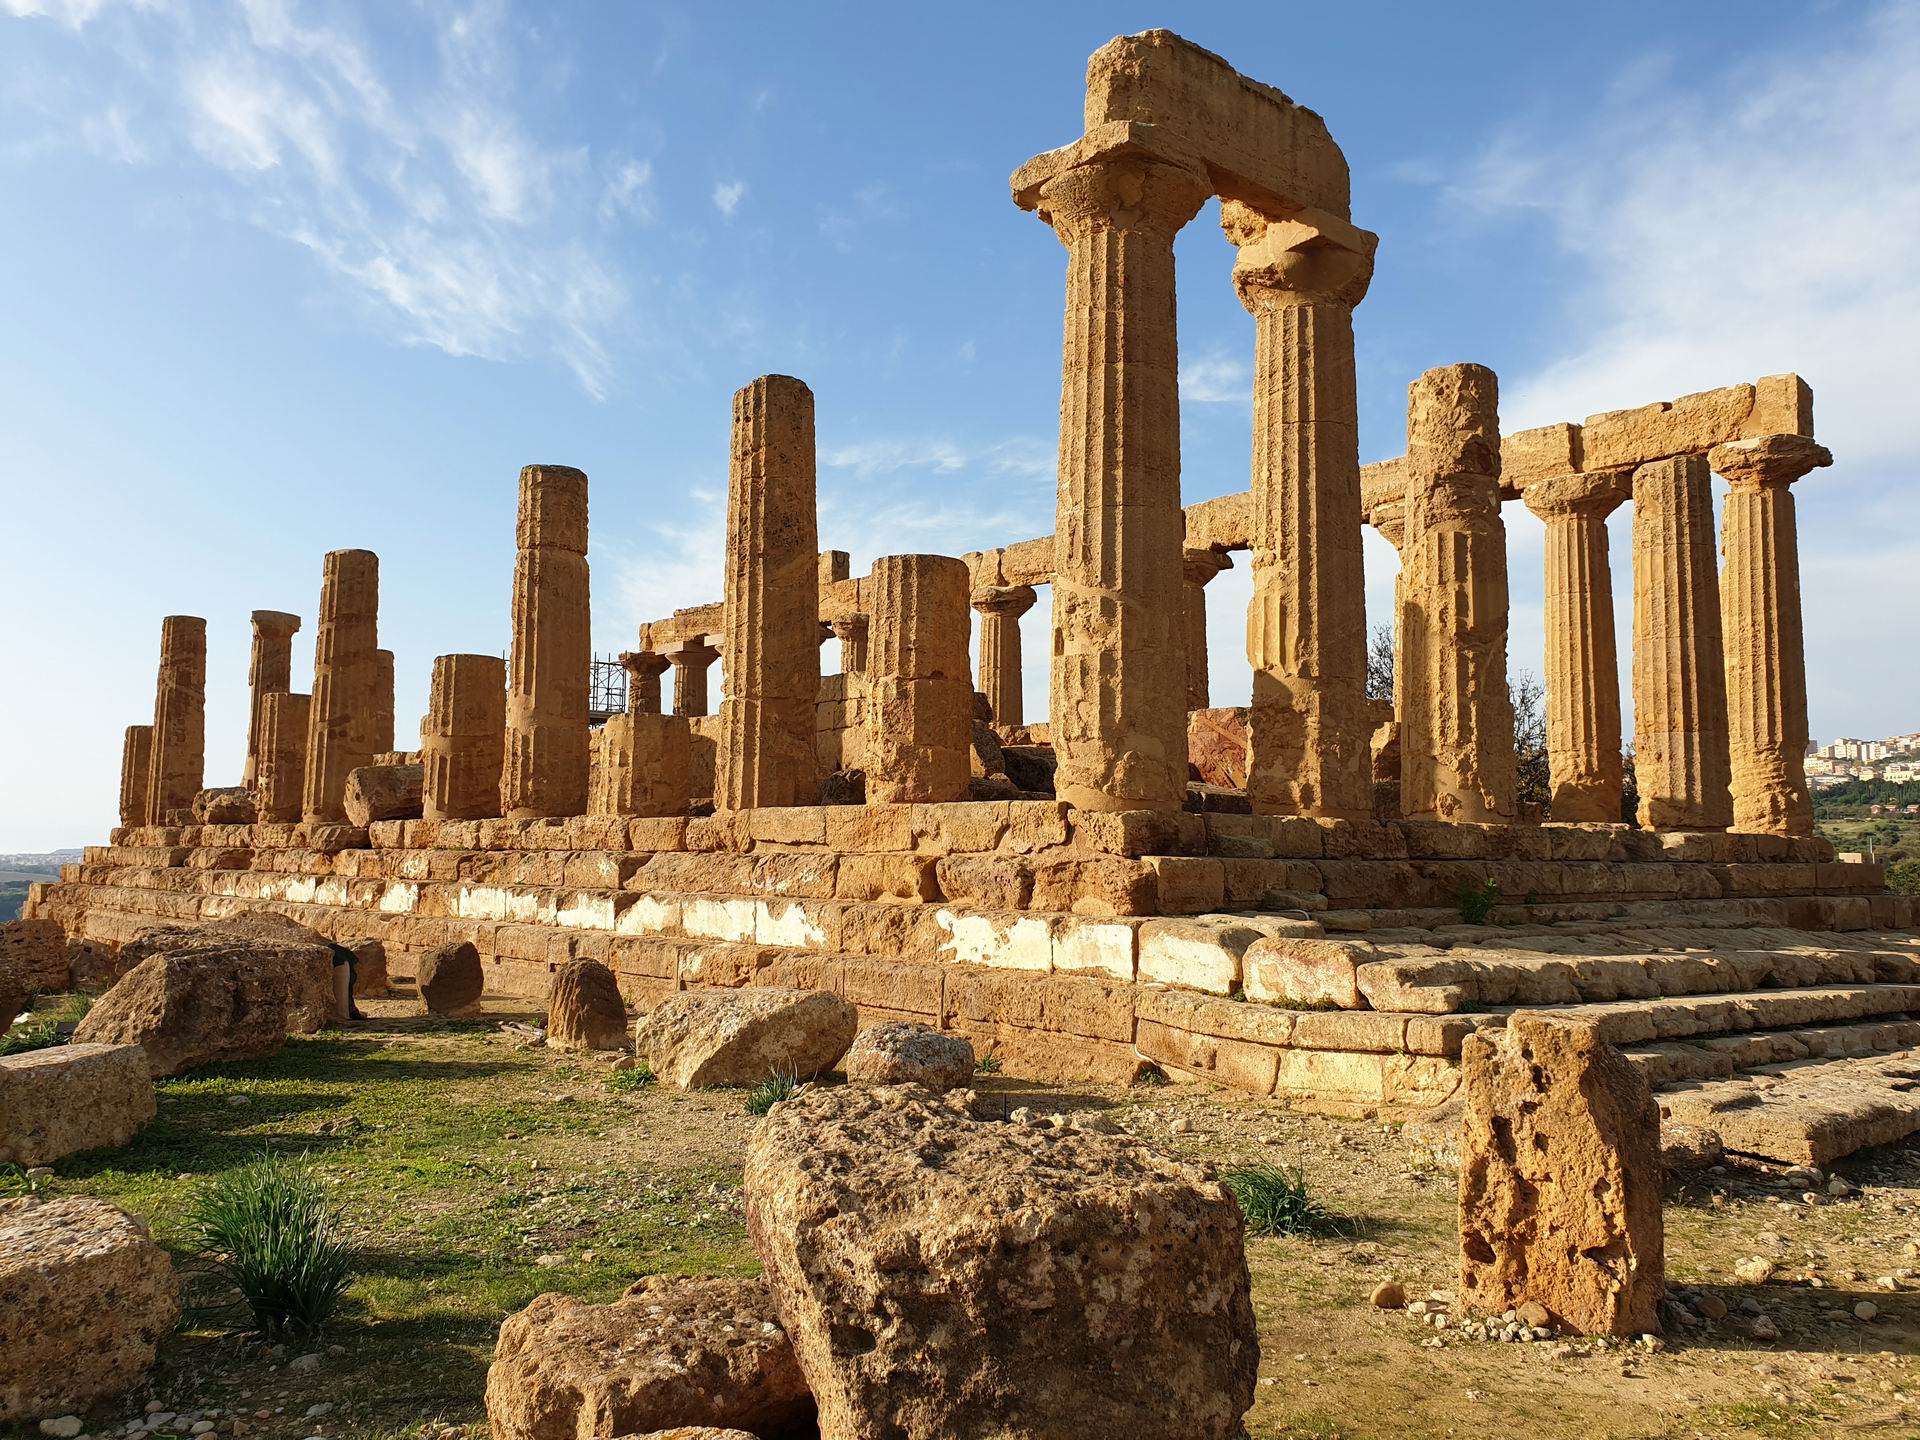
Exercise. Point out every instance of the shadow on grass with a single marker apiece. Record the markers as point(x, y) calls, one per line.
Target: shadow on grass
point(1800, 1313)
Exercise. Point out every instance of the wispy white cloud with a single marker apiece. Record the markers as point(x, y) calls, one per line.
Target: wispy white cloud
point(629, 192)
point(1216, 378)
point(1019, 457)
point(727, 195)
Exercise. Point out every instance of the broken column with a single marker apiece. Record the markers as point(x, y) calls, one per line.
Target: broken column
point(1197, 569)
point(545, 771)
point(1457, 759)
point(1118, 711)
point(919, 726)
point(1560, 1179)
point(136, 760)
point(1001, 607)
point(1765, 645)
point(382, 715)
point(345, 673)
point(772, 606)
point(691, 660)
point(269, 671)
point(1582, 663)
point(279, 783)
point(1307, 626)
point(176, 767)
point(644, 669)
point(643, 766)
point(463, 738)
point(1680, 756)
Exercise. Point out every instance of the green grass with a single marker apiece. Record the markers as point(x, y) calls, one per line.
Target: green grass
point(33, 1033)
point(987, 1065)
point(779, 1085)
point(637, 1077)
point(272, 1233)
point(1276, 1201)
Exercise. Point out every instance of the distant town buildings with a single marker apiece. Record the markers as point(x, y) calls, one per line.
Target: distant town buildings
point(1896, 758)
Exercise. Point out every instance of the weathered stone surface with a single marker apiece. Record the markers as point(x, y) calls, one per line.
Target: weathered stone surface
point(67, 1098)
point(92, 967)
point(340, 719)
point(370, 977)
point(1218, 749)
point(739, 1037)
point(13, 998)
point(898, 1052)
point(178, 756)
point(584, 1009)
point(35, 951)
point(696, 1432)
point(136, 760)
point(1560, 1179)
point(1001, 680)
point(269, 672)
point(228, 805)
point(384, 792)
point(642, 766)
point(1198, 566)
point(463, 739)
point(85, 1298)
point(306, 956)
point(545, 770)
point(672, 1351)
point(280, 768)
point(919, 695)
point(450, 979)
point(921, 1296)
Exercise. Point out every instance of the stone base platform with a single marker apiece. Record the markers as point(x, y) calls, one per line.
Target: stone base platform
point(1321, 962)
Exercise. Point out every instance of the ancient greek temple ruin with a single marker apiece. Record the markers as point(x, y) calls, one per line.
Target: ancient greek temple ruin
point(1283, 913)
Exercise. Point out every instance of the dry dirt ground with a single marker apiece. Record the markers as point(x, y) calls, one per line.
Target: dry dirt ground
point(476, 1171)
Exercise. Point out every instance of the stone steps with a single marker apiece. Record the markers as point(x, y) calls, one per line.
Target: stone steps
point(1807, 1112)
point(1675, 1062)
point(1627, 1023)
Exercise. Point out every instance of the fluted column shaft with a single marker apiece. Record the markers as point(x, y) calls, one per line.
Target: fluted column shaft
point(1000, 662)
point(1582, 657)
point(136, 761)
point(1198, 567)
point(549, 673)
point(644, 670)
point(269, 670)
point(382, 722)
point(340, 734)
point(1680, 752)
point(1765, 644)
point(463, 738)
point(851, 632)
point(1118, 712)
point(1457, 759)
point(177, 765)
point(1307, 624)
point(690, 665)
point(278, 786)
point(919, 719)
point(771, 684)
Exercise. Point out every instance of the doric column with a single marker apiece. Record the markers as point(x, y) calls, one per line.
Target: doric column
point(463, 739)
point(1307, 625)
point(269, 671)
point(644, 766)
point(280, 782)
point(177, 766)
point(772, 641)
point(136, 760)
point(851, 632)
point(1390, 519)
point(340, 718)
point(1679, 666)
point(545, 772)
point(382, 714)
point(690, 660)
point(919, 728)
point(1583, 661)
point(1197, 569)
point(1766, 648)
point(1118, 711)
point(644, 669)
point(1457, 758)
point(1000, 664)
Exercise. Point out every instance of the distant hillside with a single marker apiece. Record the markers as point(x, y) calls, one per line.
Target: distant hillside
point(23, 868)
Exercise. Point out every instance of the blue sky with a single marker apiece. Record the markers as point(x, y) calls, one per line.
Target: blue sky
point(281, 277)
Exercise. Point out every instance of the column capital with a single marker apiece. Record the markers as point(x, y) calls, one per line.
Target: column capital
point(698, 651)
point(1013, 600)
point(1594, 496)
point(1309, 257)
point(1390, 519)
point(1201, 563)
point(644, 664)
point(847, 627)
point(275, 622)
point(1116, 182)
point(1767, 460)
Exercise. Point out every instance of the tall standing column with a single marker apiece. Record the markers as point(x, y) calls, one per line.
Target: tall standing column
point(1680, 756)
point(1457, 759)
point(772, 644)
point(1118, 711)
point(281, 779)
point(691, 659)
point(545, 772)
point(382, 712)
point(177, 767)
point(851, 632)
point(1000, 664)
point(463, 739)
point(1197, 569)
point(1766, 648)
point(340, 720)
point(136, 761)
point(919, 724)
point(269, 671)
point(1390, 519)
point(1307, 625)
point(644, 669)
point(1583, 660)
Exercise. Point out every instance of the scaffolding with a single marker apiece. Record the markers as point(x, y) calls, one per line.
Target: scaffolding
point(606, 689)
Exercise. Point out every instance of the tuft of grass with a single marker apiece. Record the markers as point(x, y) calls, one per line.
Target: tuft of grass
point(987, 1065)
point(779, 1085)
point(1150, 1077)
point(636, 1077)
point(13, 1181)
point(271, 1231)
point(35, 1034)
point(1477, 901)
point(1275, 1200)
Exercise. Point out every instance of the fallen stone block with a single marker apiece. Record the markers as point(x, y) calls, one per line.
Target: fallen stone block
point(699, 1038)
point(370, 977)
point(898, 1052)
point(267, 938)
point(35, 951)
point(584, 1009)
point(228, 805)
point(450, 980)
point(385, 792)
point(68, 1098)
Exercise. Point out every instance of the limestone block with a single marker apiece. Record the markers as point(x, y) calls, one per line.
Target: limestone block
point(68, 1098)
point(1302, 971)
point(1200, 955)
point(545, 771)
point(643, 766)
point(450, 980)
point(698, 1039)
point(384, 793)
point(584, 1009)
point(901, 1053)
point(280, 768)
point(919, 693)
point(463, 738)
point(35, 953)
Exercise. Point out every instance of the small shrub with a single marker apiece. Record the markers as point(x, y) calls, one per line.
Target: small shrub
point(13, 1181)
point(779, 1085)
point(1477, 901)
point(1275, 1201)
point(636, 1077)
point(31, 1035)
point(272, 1232)
point(1150, 1077)
point(987, 1065)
